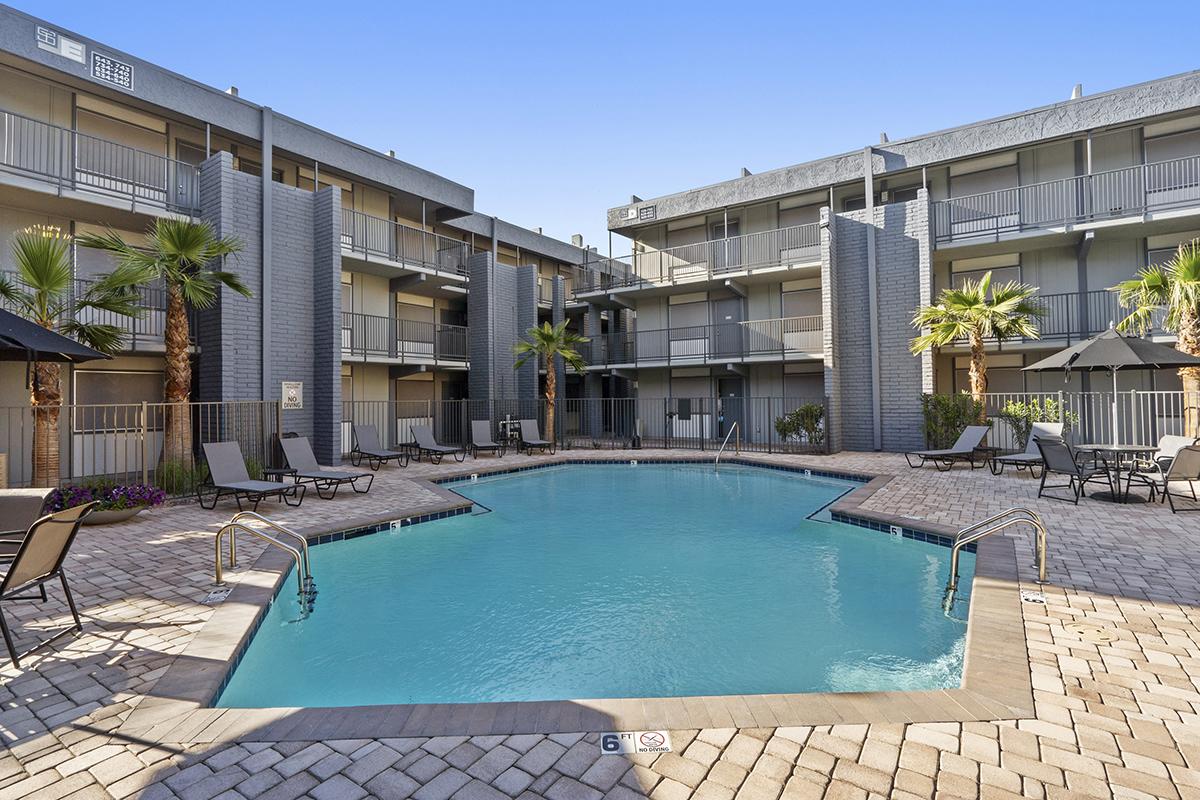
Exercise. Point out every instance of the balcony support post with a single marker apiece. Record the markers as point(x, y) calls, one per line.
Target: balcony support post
point(1081, 253)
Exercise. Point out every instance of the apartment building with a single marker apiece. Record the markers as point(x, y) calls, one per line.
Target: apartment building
point(802, 281)
point(372, 279)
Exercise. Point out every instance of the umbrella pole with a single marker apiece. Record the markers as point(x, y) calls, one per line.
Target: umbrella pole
point(1116, 433)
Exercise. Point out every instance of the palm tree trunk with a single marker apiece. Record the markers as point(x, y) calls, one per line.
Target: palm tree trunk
point(178, 445)
point(46, 400)
point(978, 370)
point(551, 395)
point(1189, 342)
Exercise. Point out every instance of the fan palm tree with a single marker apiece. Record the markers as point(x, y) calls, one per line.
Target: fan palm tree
point(547, 343)
point(186, 257)
point(1171, 292)
point(976, 312)
point(43, 291)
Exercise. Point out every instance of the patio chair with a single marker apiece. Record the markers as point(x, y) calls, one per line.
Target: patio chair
point(531, 437)
point(1057, 459)
point(19, 508)
point(367, 446)
point(962, 450)
point(426, 445)
point(299, 455)
point(38, 561)
point(1157, 465)
point(481, 439)
point(1184, 467)
point(227, 475)
point(1030, 458)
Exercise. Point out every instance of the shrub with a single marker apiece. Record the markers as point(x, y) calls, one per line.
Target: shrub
point(177, 477)
point(948, 415)
point(1020, 416)
point(108, 498)
point(806, 423)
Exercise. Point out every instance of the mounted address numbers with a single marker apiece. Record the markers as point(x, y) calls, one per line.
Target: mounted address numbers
point(110, 70)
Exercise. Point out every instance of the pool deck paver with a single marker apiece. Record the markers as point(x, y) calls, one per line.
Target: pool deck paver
point(1115, 715)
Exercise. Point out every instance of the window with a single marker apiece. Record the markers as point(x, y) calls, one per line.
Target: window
point(110, 400)
point(255, 168)
point(1000, 275)
point(189, 153)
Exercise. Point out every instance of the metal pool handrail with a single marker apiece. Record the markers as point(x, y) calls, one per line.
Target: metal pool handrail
point(275, 526)
point(1001, 521)
point(737, 443)
point(305, 587)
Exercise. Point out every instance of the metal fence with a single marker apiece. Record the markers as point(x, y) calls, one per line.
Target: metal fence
point(374, 236)
point(74, 160)
point(407, 340)
point(1083, 198)
point(1142, 417)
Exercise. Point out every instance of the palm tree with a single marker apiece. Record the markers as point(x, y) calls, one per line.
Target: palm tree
point(548, 342)
point(185, 256)
point(976, 312)
point(43, 292)
point(1173, 287)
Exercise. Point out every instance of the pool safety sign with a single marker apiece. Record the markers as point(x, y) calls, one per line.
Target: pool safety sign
point(293, 395)
point(623, 742)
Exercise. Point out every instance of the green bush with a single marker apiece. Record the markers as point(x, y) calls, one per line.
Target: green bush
point(806, 422)
point(948, 415)
point(177, 478)
point(1021, 415)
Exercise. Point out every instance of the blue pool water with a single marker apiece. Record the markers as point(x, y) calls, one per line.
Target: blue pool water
point(591, 581)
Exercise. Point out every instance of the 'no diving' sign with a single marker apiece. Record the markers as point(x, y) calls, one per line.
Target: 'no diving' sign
point(619, 743)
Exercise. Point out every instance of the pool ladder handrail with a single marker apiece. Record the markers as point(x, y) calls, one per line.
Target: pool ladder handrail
point(737, 443)
point(306, 588)
point(1003, 520)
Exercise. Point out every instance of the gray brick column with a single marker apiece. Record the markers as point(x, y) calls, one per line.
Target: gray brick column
point(593, 384)
point(829, 324)
point(558, 313)
point(527, 312)
point(327, 328)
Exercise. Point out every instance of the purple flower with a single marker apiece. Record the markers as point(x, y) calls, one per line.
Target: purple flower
point(116, 496)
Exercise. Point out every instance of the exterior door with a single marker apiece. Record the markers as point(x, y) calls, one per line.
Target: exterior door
point(727, 256)
point(727, 328)
point(731, 400)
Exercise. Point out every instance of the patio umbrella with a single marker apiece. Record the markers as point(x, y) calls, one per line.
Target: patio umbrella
point(22, 340)
point(1111, 351)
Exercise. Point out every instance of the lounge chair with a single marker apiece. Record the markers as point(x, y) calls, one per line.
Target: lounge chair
point(227, 476)
point(19, 508)
point(300, 458)
point(1031, 457)
point(481, 439)
point(962, 450)
point(425, 445)
point(1184, 467)
point(39, 560)
point(367, 446)
point(1157, 465)
point(1057, 459)
point(531, 437)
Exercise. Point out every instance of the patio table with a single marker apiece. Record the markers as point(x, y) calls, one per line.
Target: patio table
point(1119, 454)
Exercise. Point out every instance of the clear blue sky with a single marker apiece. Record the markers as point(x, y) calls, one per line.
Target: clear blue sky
point(555, 111)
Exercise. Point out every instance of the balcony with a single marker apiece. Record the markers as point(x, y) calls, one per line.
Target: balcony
point(373, 237)
point(783, 247)
point(402, 341)
point(1102, 196)
point(73, 161)
point(790, 338)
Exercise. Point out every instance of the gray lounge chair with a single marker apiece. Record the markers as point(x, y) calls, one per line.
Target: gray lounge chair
point(531, 437)
point(1057, 459)
point(227, 476)
point(368, 448)
point(426, 445)
point(1030, 458)
point(300, 458)
point(38, 561)
point(481, 439)
point(19, 508)
point(962, 450)
point(1154, 469)
point(1184, 467)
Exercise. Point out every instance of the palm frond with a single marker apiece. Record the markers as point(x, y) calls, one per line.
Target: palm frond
point(108, 339)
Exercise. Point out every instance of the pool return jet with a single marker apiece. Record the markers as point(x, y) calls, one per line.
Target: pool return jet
point(270, 532)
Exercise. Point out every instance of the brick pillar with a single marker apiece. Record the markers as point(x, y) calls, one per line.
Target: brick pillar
point(526, 295)
point(593, 384)
point(829, 321)
point(558, 313)
point(327, 327)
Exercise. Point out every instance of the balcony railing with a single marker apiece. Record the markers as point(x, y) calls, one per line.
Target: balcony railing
point(698, 344)
point(1130, 191)
point(373, 236)
point(368, 335)
point(706, 260)
point(142, 332)
point(72, 160)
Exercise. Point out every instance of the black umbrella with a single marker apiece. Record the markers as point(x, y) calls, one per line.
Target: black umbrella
point(22, 340)
point(1111, 351)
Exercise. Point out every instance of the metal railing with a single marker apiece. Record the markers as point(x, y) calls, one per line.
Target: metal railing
point(306, 587)
point(1002, 521)
point(369, 335)
point(757, 339)
point(737, 445)
point(1130, 191)
point(383, 238)
point(72, 160)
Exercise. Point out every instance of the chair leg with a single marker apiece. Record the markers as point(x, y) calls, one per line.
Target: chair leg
point(62, 576)
point(8, 640)
point(461, 455)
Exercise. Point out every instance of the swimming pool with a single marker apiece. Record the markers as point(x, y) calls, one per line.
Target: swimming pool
point(613, 580)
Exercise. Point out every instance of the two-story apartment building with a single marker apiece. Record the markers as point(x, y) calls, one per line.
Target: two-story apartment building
point(802, 281)
point(373, 280)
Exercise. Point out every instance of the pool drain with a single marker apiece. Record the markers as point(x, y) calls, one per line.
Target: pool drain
point(1091, 633)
